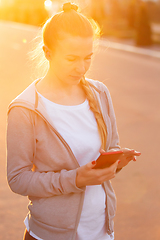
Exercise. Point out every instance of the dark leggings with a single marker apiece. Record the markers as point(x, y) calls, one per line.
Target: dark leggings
point(27, 236)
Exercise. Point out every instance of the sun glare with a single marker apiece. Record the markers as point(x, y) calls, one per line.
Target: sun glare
point(48, 4)
point(24, 40)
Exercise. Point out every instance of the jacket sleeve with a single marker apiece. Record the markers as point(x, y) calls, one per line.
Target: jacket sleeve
point(20, 154)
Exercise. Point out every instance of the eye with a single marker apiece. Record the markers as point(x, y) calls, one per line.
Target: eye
point(71, 59)
point(87, 58)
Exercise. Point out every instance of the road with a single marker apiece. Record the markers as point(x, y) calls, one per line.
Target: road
point(134, 83)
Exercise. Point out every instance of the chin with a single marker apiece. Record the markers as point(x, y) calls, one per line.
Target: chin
point(76, 78)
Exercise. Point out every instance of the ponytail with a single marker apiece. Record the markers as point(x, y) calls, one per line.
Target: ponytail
point(98, 115)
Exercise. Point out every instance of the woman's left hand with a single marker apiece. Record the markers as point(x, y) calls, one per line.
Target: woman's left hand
point(128, 155)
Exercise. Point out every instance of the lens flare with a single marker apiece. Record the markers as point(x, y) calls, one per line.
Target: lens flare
point(48, 4)
point(24, 40)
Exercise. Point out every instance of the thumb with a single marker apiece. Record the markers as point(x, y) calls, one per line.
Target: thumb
point(101, 150)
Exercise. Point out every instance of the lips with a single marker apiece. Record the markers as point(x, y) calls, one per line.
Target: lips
point(77, 77)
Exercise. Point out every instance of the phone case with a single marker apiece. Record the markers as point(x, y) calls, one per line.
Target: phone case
point(106, 159)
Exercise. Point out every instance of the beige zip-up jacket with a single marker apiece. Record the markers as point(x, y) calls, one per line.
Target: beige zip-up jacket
point(42, 166)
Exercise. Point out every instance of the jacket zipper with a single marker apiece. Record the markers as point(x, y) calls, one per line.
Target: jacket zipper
point(61, 138)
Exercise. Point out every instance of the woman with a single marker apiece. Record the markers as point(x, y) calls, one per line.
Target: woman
point(56, 130)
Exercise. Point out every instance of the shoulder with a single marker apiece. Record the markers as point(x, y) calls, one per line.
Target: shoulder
point(98, 86)
point(25, 99)
point(19, 115)
point(101, 91)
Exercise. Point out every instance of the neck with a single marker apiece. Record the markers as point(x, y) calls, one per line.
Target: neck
point(53, 83)
point(66, 94)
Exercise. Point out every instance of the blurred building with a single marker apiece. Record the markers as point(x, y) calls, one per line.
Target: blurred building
point(109, 13)
point(8, 3)
point(24, 11)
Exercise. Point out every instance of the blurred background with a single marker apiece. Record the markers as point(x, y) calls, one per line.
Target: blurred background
point(138, 20)
point(128, 62)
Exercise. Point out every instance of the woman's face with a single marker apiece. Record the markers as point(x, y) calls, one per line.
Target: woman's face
point(71, 59)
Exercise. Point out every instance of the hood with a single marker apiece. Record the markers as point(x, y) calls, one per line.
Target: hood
point(29, 97)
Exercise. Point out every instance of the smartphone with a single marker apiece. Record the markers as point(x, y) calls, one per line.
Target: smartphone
point(106, 159)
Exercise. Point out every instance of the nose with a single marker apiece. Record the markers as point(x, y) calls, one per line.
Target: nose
point(80, 68)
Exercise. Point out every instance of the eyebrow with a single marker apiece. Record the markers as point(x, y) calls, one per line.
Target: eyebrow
point(72, 55)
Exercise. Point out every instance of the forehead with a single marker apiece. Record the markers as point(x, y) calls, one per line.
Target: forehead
point(75, 45)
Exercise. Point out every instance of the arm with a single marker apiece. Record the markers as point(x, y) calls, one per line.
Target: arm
point(21, 150)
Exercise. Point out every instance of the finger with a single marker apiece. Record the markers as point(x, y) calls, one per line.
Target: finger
point(115, 165)
point(101, 150)
point(134, 159)
point(131, 153)
point(90, 165)
point(113, 168)
point(127, 150)
point(129, 158)
point(137, 153)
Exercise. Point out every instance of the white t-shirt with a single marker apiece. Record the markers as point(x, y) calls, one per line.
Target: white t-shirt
point(77, 125)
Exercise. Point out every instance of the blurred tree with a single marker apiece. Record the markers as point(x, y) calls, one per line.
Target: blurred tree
point(108, 13)
point(131, 13)
point(154, 11)
point(98, 10)
point(114, 12)
point(143, 27)
point(24, 11)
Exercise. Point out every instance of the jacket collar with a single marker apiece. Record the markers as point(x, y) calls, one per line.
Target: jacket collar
point(29, 97)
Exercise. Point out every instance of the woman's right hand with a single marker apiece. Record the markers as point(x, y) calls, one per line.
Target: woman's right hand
point(86, 175)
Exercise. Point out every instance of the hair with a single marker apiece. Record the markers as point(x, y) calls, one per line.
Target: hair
point(68, 21)
point(97, 113)
point(71, 22)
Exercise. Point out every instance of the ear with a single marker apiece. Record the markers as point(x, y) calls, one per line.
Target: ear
point(47, 52)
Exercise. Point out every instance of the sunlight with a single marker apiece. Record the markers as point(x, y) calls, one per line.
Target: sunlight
point(24, 41)
point(48, 5)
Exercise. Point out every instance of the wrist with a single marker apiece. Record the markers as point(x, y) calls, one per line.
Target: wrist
point(79, 183)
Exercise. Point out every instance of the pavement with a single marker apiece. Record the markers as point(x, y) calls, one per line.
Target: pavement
point(133, 80)
point(129, 46)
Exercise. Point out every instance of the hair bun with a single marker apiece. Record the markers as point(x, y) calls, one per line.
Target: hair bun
point(69, 6)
